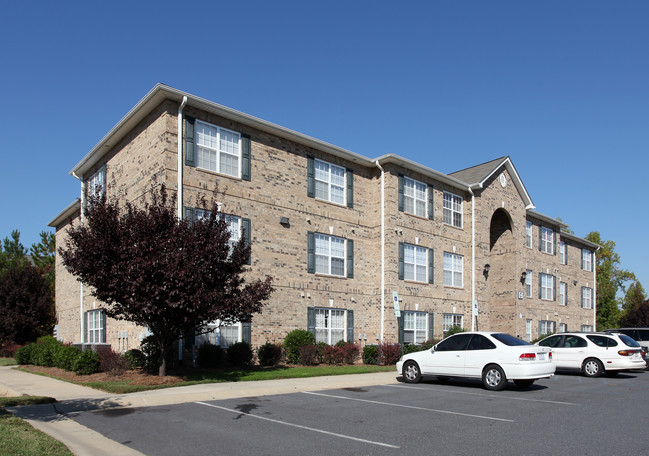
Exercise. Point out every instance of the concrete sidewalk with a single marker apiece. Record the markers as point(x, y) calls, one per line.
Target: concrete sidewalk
point(55, 419)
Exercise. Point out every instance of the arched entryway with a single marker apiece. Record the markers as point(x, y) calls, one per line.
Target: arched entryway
point(501, 276)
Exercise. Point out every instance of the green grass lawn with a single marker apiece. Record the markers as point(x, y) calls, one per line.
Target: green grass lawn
point(7, 361)
point(18, 437)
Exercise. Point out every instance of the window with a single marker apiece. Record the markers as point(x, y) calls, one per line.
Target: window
point(234, 225)
point(96, 184)
point(329, 182)
point(528, 234)
point(586, 298)
point(329, 325)
point(553, 341)
point(528, 283)
point(586, 328)
point(602, 341)
point(480, 342)
point(329, 255)
point(546, 327)
point(546, 287)
point(414, 197)
point(453, 270)
point(415, 263)
point(563, 253)
point(452, 209)
point(563, 293)
point(451, 320)
point(221, 334)
point(218, 149)
point(528, 330)
point(547, 240)
point(454, 343)
point(96, 327)
point(563, 327)
point(414, 327)
point(586, 260)
point(574, 342)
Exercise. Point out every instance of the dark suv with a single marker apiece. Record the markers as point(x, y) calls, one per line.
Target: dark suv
point(640, 335)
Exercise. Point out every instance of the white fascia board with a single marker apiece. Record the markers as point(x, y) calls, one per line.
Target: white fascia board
point(73, 209)
point(421, 169)
point(516, 179)
point(547, 219)
point(581, 240)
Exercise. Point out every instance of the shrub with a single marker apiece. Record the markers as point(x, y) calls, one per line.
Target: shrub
point(411, 348)
point(453, 330)
point(389, 354)
point(8, 349)
point(269, 354)
point(239, 354)
point(209, 355)
point(332, 355)
point(86, 363)
point(294, 340)
point(112, 363)
point(136, 358)
point(24, 354)
point(371, 354)
point(349, 352)
point(65, 356)
point(542, 336)
point(149, 348)
point(429, 344)
point(309, 355)
point(44, 351)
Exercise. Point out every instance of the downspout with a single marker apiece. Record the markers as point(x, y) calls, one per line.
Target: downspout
point(83, 208)
point(473, 317)
point(595, 289)
point(180, 158)
point(382, 249)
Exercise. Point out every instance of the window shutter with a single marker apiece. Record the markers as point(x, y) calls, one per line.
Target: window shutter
point(582, 297)
point(190, 143)
point(565, 253)
point(554, 242)
point(582, 258)
point(85, 327)
point(540, 237)
point(400, 323)
point(350, 188)
point(310, 320)
point(350, 259)
point(540, 286)
point(431, 266)
point(400, 260)
point(102, 172)
point(566, 295)
point(246, 333)
point(431, 320)
point(540, 329)
point(401, 192)
point(430, 203)
point(102, 316)
point(350, 326)
point(310, 252)
point(554, 288)
point(247, 230)
point(189, 214)
point(310, 175)
point(245, 157)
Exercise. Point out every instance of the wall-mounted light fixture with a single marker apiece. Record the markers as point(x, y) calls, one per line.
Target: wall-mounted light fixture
point(574, 282)
point(284, 222)
point(524, 276)
point(486, 268)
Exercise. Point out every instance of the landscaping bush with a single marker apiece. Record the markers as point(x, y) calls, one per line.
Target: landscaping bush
point(389, 354)
point(149, 348)
point(239, 354)
point(209, 355)
point(24, 354)
point(294, 340)
point(411, 348)
point(86, 363)
point(136, 358)
point(309, 355)
point(65, 356)
point(541, 337)
point(349, 352)
point(8, 349)
point(332, 355)
point(112, 363)
point(269, 354)
point(453, 330)
point(44, 350)
point(371, 354)
point(429, 344)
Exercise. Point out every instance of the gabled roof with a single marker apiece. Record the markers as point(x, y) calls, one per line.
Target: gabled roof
point(69, 211)
point(476, 176)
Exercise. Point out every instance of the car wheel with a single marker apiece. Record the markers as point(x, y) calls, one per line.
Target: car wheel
point(592, 367)
point(493, 378)
point(524, 383)
point(411, 372)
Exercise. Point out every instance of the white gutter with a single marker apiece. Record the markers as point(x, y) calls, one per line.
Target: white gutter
point(473, 317)
point(180, 158)
point(83, 208)
point(382, 249)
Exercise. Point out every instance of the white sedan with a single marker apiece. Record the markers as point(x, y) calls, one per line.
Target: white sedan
point(494, 357)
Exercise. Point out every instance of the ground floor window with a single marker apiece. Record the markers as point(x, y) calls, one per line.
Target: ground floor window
point(220, 334)
point(414, 327)
point(563, 327)
point(587, 328)
point(528, 330)
point(451, 320)
point(329, 325)
point(546, 327)
point(96, 327)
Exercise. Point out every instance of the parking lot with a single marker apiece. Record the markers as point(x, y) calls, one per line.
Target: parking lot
point(567, 414)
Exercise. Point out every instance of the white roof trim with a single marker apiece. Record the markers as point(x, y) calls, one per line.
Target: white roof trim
point(72, 209)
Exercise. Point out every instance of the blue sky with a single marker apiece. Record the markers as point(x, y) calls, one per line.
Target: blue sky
point(562, 87)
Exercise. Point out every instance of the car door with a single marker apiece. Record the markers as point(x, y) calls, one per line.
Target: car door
point(555, 343)
point(574, 350)
point(448, 356)
point(479, 352)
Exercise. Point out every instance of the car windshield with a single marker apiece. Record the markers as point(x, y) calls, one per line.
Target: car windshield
point(508, 340)
point(628, 341)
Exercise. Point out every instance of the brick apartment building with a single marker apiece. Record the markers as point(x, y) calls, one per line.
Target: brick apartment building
point(351, 242)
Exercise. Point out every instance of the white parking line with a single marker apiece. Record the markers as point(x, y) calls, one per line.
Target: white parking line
point(410, 407)
point(514, 398)
point(342, 436)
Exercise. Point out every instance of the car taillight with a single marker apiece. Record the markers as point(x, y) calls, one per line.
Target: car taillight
point(550, 355)
point(627, 352)
point(527, 357)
